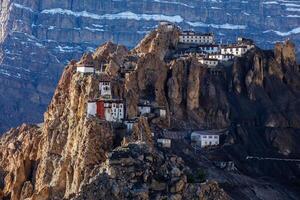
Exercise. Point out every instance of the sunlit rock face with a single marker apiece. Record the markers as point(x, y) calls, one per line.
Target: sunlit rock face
point(37, 38)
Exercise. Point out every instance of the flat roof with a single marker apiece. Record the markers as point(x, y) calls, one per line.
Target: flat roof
point(233, 46)
point(196, 33)
point(208, 45)
point(208, 132)
point(106, 100)
point(210, 59)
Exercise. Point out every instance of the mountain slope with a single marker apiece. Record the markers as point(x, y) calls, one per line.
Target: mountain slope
point(74, 156)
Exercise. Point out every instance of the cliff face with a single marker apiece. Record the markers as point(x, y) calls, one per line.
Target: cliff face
point(38, 38)
point(73, 156)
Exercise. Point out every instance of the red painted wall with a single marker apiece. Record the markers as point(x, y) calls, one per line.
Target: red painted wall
point(100, 110)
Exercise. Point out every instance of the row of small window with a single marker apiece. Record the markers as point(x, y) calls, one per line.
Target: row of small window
point(105, 83)
point(198, 37)
point(209, 48)
point(210, 143)
point(211, 63)
point(235, 49)
point(114, 105)
point(210, 137)
point(203, 41)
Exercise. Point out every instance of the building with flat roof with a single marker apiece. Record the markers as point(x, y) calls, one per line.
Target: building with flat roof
point(191, 37)
point(210, 62)
point(205, 138)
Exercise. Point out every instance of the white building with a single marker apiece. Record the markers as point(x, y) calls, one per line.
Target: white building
point(105, 86)
point(205, 138)
point(162, 112)
point(209, 48)
point(166, 143)
point(191, 37)
point(234, 50)
point(92, 108)
point(129, 124)
point(144, 108)
point(221, 57)
point(209, 62)
point(111, 110)
point(168, 25)
point(114, 110)
point(83, 68)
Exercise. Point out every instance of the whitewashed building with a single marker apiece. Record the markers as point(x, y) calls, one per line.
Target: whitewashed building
point(209, 48)
point(168, 25)
point(92, 108)
point(234, 50)
point(209, 62)
point(165, 143)
point(162, 112)
point(114, 110)
point(107, 109)
point(144, 108)
point(129, 124)
point(191, 37)
point(105, 86)
point(221, 57)
point(205, 138)
point(84, 68)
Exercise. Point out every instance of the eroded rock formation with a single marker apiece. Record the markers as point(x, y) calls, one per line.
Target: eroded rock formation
point(73, 156)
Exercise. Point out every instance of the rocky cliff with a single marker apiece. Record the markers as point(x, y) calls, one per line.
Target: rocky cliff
point(72, 156)
point(38, 38)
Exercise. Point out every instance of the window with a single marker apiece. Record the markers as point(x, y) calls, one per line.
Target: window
point(216, 137)
point(210, 137)
point(204, 136)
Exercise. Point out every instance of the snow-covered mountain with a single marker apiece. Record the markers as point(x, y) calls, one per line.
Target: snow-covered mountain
point(38, 37)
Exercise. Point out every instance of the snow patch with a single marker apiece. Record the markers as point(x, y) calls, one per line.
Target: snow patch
point(284, 34)
point(122, 15)
point(219, 26)
point(22, 7)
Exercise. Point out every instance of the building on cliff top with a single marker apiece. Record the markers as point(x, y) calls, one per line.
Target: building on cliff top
point(86, 64)
point(191, 37)
point(85, 68)
point(169, 26)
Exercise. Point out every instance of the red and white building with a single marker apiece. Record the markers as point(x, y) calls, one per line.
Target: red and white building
point(111, 110)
